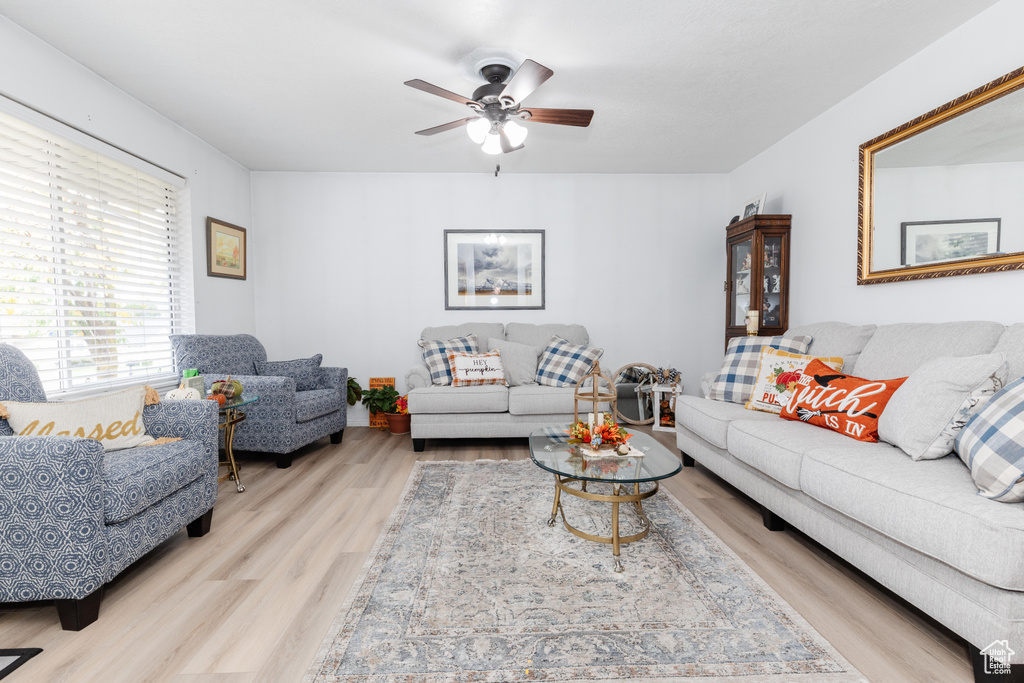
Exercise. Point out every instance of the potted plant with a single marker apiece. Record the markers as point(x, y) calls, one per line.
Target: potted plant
point(394, 406)
point(355, 392)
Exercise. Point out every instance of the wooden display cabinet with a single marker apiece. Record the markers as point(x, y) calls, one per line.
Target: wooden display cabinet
point(757, 253)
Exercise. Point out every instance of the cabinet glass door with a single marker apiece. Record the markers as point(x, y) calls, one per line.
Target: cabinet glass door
point(771, 283)
point(740, 260)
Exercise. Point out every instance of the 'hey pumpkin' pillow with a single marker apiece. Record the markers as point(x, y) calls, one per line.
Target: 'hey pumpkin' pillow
point(779, 374)
point(476, 369)
point(843, 403)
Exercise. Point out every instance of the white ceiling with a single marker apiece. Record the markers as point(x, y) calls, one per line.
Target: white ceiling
point(678, 86)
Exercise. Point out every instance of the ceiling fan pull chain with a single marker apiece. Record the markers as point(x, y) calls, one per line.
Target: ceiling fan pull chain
point(497, 167)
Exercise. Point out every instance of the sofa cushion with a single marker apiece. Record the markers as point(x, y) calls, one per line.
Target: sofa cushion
point(933, 405)
point(310, 405)
point(534, 399)
point(836, 339)
point(540, 335)
point(928, 505)
point(1011, 345)
point(518, 360)
point(709, 419)
point(492, 398)
point(136, 478)
point(898, 350)
point(777, 447)
point(305, 371)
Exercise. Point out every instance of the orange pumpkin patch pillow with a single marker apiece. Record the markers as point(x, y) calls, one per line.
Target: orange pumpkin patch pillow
point(845, 404)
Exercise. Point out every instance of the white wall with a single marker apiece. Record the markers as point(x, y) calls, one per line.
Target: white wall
point(813, 173)
point(43, 78)
point(351, 265)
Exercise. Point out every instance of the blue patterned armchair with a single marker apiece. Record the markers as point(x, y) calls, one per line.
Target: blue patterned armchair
point(72, 516)
point(284, 419)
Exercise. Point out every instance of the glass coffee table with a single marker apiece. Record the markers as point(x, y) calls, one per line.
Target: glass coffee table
point(573, 469)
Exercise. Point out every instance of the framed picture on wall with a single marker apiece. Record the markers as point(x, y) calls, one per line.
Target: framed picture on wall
point(488, 269)
point(930, 241)
point(225, 249)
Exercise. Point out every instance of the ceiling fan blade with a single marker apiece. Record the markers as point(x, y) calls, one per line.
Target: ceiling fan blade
point(562, 117)
point(441, 92)
point(446, 126)
point(527, 79)
point(506, 144)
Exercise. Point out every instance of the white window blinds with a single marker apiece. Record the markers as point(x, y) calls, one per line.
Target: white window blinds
point(95, 262)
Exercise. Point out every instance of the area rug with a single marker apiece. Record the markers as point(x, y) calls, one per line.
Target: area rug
point(12, 659)
point(467, 582)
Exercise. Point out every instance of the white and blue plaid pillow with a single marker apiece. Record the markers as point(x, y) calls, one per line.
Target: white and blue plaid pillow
point(992, 445)
point(736, 379)
point(563, 364)
point(435, 355)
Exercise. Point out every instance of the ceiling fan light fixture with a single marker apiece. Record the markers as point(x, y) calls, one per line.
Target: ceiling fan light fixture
point(478, 129)
point(492, 144)
point(516, 133)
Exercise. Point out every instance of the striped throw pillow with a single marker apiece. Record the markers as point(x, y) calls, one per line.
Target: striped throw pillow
point(992, 445)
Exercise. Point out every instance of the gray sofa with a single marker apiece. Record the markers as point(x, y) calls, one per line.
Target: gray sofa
point(917, 527)
point(445, 412)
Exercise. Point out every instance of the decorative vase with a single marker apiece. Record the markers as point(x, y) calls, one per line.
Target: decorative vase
point(398, 424)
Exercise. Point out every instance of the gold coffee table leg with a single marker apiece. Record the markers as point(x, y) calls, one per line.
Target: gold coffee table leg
point(615, 530)
point(230, 420)
point(554, 508)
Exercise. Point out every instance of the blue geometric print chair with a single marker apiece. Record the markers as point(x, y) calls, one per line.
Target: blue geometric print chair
point(72, 517)
point(284, 419)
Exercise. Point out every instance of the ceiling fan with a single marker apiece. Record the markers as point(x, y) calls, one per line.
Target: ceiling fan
point(497, 106)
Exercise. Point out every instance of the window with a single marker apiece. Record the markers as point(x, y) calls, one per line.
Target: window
point(95, 259)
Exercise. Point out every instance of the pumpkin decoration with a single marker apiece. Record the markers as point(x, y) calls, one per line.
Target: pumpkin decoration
point(229, 388)
point(219, 398)
point(183, 393)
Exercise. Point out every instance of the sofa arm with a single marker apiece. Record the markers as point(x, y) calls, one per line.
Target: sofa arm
point(333, 378)
point(52, 538)
point(192, 420)
point(277, 396)
point(418, 378)
point(706, 380)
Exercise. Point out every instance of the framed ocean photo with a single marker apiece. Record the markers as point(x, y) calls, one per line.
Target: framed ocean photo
point(499, 270)
point(225, 249)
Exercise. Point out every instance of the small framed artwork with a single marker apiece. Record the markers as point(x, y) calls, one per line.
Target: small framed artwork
point(487, 269)
point(225, 249)
point(923, 242)
point(754, 206)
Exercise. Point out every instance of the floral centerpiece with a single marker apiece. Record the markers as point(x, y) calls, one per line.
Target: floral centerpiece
point(608, 434)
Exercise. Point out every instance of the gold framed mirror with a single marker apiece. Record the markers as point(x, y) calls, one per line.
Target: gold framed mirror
point(940, 196)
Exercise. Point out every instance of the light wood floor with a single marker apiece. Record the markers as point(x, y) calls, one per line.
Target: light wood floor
point(253, 599)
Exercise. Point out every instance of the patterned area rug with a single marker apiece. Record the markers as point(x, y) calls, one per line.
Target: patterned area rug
point(468, 583)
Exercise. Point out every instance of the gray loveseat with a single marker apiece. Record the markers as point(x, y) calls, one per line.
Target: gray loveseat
point(917, 527)
point(446, 412)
